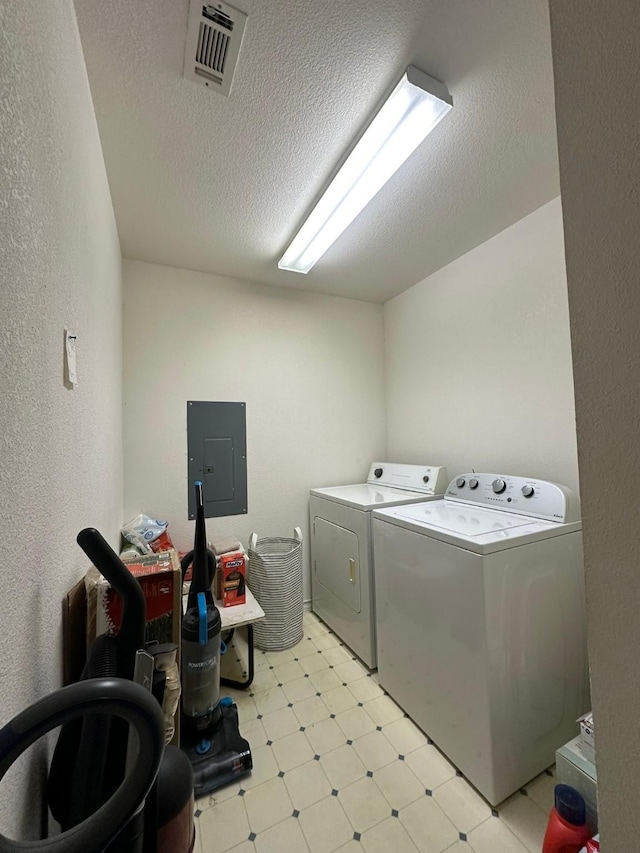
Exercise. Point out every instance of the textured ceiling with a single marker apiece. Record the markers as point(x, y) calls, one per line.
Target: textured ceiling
point(221, 184)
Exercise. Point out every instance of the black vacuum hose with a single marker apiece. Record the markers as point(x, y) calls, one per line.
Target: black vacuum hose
point(113, 696)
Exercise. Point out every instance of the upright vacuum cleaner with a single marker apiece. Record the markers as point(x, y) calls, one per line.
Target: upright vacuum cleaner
point(93, 755)
point(209, 735)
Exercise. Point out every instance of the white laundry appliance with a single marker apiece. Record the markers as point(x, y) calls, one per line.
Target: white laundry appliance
point(342, 564)
point(481, 623)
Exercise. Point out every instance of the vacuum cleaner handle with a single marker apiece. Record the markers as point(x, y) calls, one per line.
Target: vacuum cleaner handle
point(104, 558)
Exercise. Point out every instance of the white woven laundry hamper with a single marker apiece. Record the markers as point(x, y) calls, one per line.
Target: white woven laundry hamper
point(275, 578)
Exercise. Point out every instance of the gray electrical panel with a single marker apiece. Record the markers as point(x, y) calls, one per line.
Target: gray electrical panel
point(217, 454)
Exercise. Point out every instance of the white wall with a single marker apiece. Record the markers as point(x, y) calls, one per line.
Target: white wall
point(60, 266)
point(309, 367)
point(596, 58)
point(478, 361)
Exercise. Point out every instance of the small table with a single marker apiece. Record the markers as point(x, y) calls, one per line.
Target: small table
point(240, 616)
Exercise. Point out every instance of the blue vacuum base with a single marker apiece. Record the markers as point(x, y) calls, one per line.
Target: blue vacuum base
point(218, 756)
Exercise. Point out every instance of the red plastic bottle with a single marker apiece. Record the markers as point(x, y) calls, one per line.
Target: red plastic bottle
point(567, 829)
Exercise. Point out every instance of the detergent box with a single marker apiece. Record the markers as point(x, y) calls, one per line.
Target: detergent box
point(230, 580)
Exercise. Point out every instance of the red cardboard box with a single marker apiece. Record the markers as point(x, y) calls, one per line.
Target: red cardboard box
point(230, 580)
point(160, 577)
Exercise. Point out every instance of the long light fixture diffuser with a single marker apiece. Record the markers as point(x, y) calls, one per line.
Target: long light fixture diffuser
point(413, 109)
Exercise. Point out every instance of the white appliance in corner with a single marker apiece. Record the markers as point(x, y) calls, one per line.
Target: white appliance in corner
point(342, 561)
point(481, 623)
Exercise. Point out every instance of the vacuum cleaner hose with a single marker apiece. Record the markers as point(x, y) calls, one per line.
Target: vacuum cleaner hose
point(115, 696)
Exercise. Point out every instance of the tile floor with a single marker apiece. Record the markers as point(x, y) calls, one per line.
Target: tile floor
point(339, 767)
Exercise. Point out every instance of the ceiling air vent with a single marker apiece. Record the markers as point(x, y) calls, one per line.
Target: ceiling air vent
point(214, 36)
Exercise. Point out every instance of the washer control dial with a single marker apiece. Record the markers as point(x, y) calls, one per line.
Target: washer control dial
point(378, 472)
point(473, 483)
point(460, 482)
point(528, 491)
point(498, 486)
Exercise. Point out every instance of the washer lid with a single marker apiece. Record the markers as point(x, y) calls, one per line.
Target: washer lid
point(465, 521)
point(473, 528)
point(366, 496)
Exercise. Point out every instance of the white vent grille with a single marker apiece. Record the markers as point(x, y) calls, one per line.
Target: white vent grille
point(214, 37)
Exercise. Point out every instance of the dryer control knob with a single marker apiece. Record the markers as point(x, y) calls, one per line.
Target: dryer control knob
point(473, 483)
point(498, 486)
point(378, 472)
point(460, 482)
point(425, 479)
point(528, 491)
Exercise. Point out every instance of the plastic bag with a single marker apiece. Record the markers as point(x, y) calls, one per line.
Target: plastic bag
point(148, 535)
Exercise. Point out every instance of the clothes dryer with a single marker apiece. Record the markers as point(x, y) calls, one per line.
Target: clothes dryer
point(342, 563)
point(481, 623)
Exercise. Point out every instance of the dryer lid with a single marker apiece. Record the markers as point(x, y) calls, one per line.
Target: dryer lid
point(366, 496)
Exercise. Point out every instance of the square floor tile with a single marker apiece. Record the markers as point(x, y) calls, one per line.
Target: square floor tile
point(311, 711)
point(374, 750)
point(325, 680)
point(355, 723)
point(219, 796)
point(280, 724)
point(263, 679)
point(300, 689)
point(383, 710)
point(398, 784)
point(288, 671)
point(430, 829)
point(339, 700)
point(342, 766)
point(387, 837)
point(267, 804)
point(363, 804)
point(350, 671)
point(463, 806)
point(365, 689)
point(265, 767)
point(247, 710)
point(304, 649)
point(292, 750)
point(526, 820)
point(430, 766)
point(336, 655)
point(493, 836)
point(254, 732)
point(245, 847)
point(324, 642)
point(284, 837)
point(324, 736)
point(313, 663)
point(269, 700)
point(404, 735)
point(325, 826)
point(313, 627)
point(352, 847)
point(224, 826)
point(278, 658)
point(307, 784)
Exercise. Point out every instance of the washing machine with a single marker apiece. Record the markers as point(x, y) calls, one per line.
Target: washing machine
point(481, 623)
point(342, 564)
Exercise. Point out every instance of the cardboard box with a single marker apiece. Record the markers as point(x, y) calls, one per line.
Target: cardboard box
point(160, 577)
point(74, 633)
point(573, 768)
point(587, 737)
point(230, 580)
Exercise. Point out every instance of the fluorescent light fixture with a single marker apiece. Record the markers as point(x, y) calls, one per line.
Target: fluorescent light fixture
point(413, 109)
